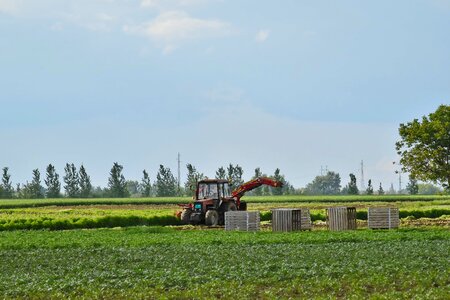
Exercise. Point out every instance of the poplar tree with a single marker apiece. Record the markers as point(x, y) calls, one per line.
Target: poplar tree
point(35, 188)
point(369, 190)
point(6, 188)
point(52, 182)
point(146, 185)
point(380, 190)
point(166, 185)
point(84, 183)
point(116, 183)
point(193, 177)
point(72, 181)
point(221, 173)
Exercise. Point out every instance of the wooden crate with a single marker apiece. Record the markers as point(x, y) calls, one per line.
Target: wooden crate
point(383, 217)
point(291, 219)
point(341, 218)
point(242, 220)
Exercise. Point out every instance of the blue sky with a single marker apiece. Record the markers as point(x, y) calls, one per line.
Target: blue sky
point(289, 84)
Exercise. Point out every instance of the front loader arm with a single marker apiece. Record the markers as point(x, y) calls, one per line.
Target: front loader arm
point(253, 184)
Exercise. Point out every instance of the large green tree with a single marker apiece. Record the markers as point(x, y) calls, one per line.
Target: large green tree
point(71, 180)
point(52, 182)
point(425, 147)
point(84, 183)
point(166, 184)
point(117, 185)
point(6, 188)
point(329, 184)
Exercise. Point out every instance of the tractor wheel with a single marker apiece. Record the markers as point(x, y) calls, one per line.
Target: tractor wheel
point(186, 216)
point(212, 217)
point(231, 206)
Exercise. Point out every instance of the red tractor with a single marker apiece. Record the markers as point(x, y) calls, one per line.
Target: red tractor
point(213, 197)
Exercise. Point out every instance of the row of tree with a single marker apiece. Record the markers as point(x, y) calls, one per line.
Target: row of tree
point(330, 184)
point(77, 183)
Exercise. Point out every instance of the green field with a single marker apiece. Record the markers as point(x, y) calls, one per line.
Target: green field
point(187, 262)
point(157, 262)
point(17, 203)
point(97, 213)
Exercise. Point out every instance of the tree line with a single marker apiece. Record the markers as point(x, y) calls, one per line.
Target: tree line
point(76, 183)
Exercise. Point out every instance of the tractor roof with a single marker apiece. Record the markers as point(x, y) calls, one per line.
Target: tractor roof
point(213, 181)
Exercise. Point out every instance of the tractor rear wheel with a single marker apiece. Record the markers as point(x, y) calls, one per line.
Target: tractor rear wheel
point(212, 217)
point(231, 206)
point(186, 216)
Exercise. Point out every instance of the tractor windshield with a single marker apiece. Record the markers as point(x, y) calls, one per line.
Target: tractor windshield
point(207, 190)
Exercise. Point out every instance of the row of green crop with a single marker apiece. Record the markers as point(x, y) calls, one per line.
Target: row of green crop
point(142, 263)
point(21, 203)
point(162, 220)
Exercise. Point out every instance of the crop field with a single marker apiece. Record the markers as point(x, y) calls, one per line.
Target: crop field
point(118, 248)
point(99, 213)
point(156, 262)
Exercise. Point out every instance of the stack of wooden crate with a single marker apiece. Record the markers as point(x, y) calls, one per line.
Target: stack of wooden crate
point(242, 220)
point(291, 219)
point(383, 217)
point(341, 218)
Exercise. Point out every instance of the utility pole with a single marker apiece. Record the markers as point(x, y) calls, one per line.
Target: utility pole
point(399, 172)
point(362, 176)
point(179, 172)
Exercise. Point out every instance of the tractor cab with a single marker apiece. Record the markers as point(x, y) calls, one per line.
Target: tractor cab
point(215, 189)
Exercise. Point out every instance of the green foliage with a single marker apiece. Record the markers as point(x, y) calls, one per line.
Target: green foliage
point(329, 184)
point(154, 263)
point(117, 185)
point(221, 173)
point(412, 187)
point(166, 184)
point(6, 188)
point(52, 182)
point(369, 190)
point(193, 176)
point(71, 181)
point(351, 188)
point(84, 183)
point(380, 190)
point(35, 188)
point(234, 175)
point(428, 189)
point(425, 146)
point(146, 185)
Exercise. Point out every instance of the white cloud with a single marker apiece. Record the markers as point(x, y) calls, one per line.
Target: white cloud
point(262, 36)
point(10, 6)
point(175, 25)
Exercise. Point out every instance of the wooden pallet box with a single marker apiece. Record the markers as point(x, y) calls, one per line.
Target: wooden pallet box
point(383, 217)
point(341, 218)
point(291, 219)
point(242, 220)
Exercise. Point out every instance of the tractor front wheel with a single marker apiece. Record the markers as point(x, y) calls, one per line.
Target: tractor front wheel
point(186, 216)
point(212, 217)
